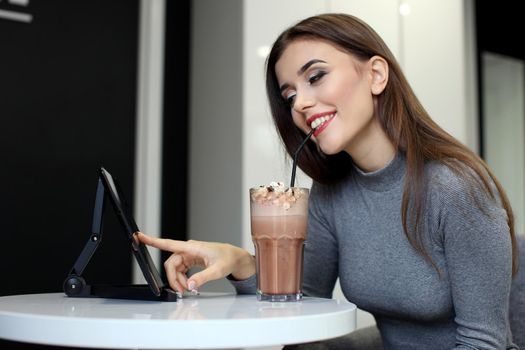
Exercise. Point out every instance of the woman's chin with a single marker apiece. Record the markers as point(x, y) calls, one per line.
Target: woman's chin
point(329, 148)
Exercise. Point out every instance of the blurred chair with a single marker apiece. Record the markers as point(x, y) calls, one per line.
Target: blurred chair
point(517, 299)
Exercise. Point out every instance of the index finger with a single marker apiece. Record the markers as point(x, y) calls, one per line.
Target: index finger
point(169, 245)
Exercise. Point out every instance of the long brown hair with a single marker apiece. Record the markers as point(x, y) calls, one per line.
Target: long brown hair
point(401, 115)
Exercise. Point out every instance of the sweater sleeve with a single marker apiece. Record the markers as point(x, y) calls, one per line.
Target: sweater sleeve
point(247, 286)
point(477, 246)
point(321, 249)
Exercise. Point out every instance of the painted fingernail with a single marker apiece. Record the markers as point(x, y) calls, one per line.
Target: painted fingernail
point(191, 285)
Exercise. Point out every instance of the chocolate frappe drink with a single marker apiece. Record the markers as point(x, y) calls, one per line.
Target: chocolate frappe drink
point(278, 223)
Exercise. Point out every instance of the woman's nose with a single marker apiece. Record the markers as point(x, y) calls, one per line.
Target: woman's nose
point(303, 102)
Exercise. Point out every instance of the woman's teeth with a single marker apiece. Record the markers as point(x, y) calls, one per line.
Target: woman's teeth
point(319, 121)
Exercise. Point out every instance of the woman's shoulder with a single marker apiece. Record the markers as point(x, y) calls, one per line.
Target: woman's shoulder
point(450, 175)
point(452, 181)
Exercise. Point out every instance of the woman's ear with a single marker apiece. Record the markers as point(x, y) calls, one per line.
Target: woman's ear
point(379, 70)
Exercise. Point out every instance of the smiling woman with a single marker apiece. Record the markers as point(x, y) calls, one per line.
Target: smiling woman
point(379, 137)
point(414, 224)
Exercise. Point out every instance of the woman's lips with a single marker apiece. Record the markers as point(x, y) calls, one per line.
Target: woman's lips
point(323, 126)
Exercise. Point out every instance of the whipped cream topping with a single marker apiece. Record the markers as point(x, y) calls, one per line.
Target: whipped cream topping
point(276, 194)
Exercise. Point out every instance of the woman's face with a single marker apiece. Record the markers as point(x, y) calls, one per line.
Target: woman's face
point(331, 91)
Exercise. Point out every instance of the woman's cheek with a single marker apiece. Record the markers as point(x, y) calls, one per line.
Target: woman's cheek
point(300, 122)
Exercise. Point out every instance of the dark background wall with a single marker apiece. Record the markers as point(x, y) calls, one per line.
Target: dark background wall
point(68, 82)
point(67, 101)
point(498, 29)
point(175, 121)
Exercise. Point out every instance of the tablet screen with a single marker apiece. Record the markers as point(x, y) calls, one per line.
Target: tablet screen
point(140, 251)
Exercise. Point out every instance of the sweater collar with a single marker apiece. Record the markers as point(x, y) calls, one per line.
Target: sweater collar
point(385, 178)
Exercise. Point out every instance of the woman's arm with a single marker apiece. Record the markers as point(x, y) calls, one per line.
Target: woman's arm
point(479, 261)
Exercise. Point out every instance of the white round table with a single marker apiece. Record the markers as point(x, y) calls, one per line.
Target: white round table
point(206, 321)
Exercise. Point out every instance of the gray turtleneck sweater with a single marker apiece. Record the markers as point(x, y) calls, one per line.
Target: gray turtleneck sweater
point(355, 233)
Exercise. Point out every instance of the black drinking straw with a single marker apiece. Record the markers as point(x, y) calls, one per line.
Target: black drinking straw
point(296, 156)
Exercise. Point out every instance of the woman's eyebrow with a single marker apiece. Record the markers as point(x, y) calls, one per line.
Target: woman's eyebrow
point(308, 64)
point(302, 70)
point(284, 87)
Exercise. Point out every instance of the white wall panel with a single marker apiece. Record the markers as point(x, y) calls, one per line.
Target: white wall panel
point(435, 62)
point(382, 15)
point(504, 127)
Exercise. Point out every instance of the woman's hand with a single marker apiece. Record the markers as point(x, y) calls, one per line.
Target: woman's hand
point(218, 260)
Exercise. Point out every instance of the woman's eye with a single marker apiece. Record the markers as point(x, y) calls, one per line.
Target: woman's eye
point(315, 77)
point(289, 99)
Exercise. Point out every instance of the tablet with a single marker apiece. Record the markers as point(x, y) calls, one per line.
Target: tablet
point(131, 229)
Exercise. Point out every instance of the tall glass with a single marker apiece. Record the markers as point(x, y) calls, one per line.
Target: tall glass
point(278, 225)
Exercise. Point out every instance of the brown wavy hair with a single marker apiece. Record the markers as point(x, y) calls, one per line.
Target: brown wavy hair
point(401, 115)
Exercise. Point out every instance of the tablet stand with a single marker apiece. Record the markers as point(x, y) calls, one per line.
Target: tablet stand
point(76, 286)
